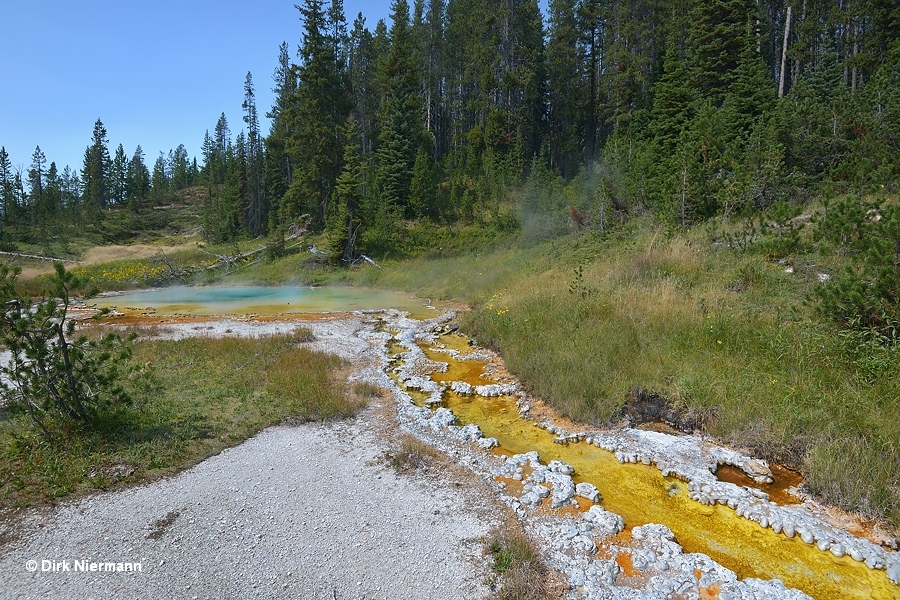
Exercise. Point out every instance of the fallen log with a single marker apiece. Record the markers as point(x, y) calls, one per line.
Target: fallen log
point(38, 257)
point(294, 231)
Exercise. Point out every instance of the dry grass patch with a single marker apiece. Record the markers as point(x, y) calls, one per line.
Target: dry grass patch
point(104, 254)
point(412, 455)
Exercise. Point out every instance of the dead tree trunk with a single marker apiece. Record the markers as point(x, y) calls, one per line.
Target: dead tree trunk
point(784, 48)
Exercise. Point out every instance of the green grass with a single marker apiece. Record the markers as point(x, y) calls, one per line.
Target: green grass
point(730, 334)
point(196, 397)
point(519, 573)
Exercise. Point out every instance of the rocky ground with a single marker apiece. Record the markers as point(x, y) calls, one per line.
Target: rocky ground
point(313, 511)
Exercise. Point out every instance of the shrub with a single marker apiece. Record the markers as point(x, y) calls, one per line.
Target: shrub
point(866, 292)
point(48, 373)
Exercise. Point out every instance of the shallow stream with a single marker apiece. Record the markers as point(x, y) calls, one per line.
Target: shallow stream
point(641, 494)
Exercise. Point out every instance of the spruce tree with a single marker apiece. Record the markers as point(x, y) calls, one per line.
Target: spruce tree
point(751, 92)
point(715, 44)
point(137, 181)
point(400, 133)
point(317, 116)
point(118, 176)
point(344, 223)
point(255, 210)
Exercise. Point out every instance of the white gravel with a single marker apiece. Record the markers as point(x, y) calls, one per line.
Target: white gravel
point(295, 512)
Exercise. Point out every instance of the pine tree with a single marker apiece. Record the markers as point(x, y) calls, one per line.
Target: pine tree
point(630, 57)
point(221, 145)
point(278, 162)
point(431, 48)
point(873, 163)
point(520, 76)
point(237, 188)
point(364, 57)
point(563, 68)
point(422, 193)
point(208, 152)
point(673, 100)
point(337, 34)
point(95, 173)
point(159, 181)
point(52, 193)
point(179, 168)
point(70, 195)
point(7, 193)
point(36, 185)
point(813, 113)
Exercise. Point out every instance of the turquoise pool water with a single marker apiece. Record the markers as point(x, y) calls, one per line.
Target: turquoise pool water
point(242, 300)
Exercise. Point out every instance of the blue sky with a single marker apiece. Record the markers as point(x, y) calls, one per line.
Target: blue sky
point(156, 73)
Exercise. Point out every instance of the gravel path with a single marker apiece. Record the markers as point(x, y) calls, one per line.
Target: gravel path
point(295, 512)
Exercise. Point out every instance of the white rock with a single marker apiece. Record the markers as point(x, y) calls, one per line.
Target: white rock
point(442, 417)
point(588, 490)
point(604, 521)
point(488, 442)
point(471, 432)
point(558, 466)
point(893, 572)
point(461, 387)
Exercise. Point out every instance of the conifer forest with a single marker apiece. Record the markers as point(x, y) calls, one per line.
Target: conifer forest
point(688, 109)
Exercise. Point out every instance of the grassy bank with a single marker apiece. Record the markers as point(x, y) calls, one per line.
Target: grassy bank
point(202, 395)
point(728, 336)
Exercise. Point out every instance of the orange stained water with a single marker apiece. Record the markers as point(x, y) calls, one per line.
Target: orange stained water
point(623, 559)
point(640, 494)
point(778, 490)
